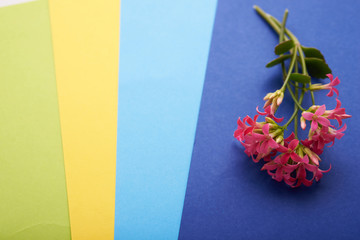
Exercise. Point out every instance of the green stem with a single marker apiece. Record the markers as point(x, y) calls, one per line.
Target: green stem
point(295, 111)
point(287, 31)
point(292, 63)
point(301, 54)
point(295, 98)
point(300, 88)
point(282, 29)
point(292, 118)
point(303, 65)
point(266, 17)
point(281, 38)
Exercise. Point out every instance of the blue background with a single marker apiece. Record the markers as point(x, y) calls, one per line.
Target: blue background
point(164, 47)
point(227, 195)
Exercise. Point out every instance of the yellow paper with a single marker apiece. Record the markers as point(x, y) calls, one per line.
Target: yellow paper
point(86, 49)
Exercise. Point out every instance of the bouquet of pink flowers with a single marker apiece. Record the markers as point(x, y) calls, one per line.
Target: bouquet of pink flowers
point(290, 158)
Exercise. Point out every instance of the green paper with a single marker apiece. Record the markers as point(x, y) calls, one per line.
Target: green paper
point(33, 200)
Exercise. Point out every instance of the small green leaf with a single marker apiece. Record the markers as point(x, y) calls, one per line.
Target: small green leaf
point(317, 67)
point(312, 52)
point(301, 78)
point(284, 47)
point(278, 60)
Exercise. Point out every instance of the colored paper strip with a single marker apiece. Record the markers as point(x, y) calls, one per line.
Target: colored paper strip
point(163, 55)
point(33, 201)
point(86, 50)
point(5, 3)
point(227, 196)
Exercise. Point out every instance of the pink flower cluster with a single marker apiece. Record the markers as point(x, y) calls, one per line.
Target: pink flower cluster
point(290, 159)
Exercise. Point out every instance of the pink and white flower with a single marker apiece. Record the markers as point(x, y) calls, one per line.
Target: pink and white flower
point(316, 118)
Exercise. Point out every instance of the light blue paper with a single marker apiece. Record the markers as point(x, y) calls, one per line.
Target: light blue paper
point(163, 56)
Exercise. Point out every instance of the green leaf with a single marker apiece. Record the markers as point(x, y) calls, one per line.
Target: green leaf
point(301, 78)
point(312, 52)
point(284, 47)
point(317, 67)
point(278, 60)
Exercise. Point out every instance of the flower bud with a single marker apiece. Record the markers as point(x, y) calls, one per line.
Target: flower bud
point(280, 98)
point(277, 132)
point(269, 120)
point(274, 99)
point(279, 139)
point(300, 152)
point(303, 123)
point(313, 156)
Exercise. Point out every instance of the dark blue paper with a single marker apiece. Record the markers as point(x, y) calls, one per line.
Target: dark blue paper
point(227, 196)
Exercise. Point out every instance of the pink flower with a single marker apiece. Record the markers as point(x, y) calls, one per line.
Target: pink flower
point(322, 137)
point(244, 129)
point(279, 172)
point(266, 140)
point(312, 155)
point(259, 144)
point(316, 118)
point(288, 152)
point(269, 114)
point(287, 159)
point(282, 172)
point(330, 86)
point(301, 173)
point(338, 113)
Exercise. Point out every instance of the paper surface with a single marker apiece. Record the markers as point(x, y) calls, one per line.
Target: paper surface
point(228, 197)
point(5, 3)
point(163, 55)
point(33, 201)
point(86, 50)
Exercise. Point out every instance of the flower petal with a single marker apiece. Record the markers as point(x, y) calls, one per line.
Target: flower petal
point(308, 115)
point(265, 129)
point(314, 125)
point(273, 144)
point(305, 159)
point(284, 158)
point(336, 91)
point(289, 138)
point(293, 144)
point(269, 166)
point(320, 111)
point(330, 93)
point(323, 121)
point(335, 82)
point(290, 168)
point(330, 76)
point(261, 113)
point(282, 149)
point(338, 104)
point(311, 168)
point(278, 120)
point(295, 157)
